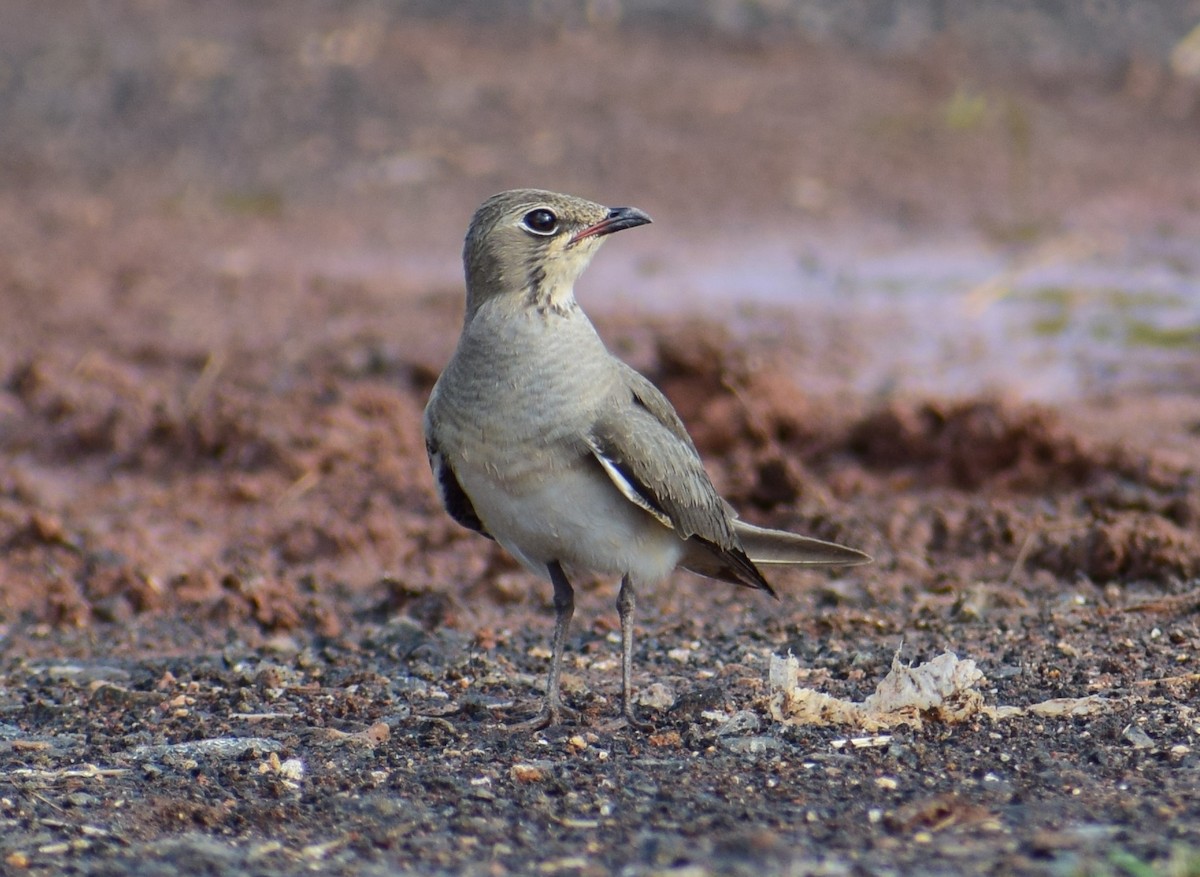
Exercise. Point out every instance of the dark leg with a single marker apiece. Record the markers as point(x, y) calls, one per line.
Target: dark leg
point(552, 709)
point(626, 604)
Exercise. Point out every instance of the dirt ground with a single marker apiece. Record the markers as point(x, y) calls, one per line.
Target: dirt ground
point(239, 636)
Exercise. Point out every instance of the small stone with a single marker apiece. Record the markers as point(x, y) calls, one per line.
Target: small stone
point(1139, 738)
point(291, 769)
point(670, 739)
point(17, 859)
point(656, 696)
point(527, 773)
point(759, 745)
point(740, 723)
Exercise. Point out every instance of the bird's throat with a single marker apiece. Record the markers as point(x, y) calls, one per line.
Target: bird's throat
point(551, 299)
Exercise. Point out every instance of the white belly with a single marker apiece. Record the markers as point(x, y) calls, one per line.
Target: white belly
point(577, 517)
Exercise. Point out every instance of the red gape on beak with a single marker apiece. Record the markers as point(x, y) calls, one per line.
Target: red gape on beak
point(618, 218)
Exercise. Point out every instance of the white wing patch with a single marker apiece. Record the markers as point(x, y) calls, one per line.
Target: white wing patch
point(628, 490)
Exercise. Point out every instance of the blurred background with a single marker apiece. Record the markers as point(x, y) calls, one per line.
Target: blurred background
point(912, 195)
point(230, 236)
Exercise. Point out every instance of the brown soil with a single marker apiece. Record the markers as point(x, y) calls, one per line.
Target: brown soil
point(239, 635)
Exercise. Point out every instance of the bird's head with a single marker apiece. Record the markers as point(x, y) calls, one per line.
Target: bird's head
point(532, 245)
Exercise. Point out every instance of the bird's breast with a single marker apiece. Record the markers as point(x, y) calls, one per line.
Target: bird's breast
point(512, 414)
point(522, 385)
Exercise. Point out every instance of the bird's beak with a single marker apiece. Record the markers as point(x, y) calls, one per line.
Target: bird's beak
point(618, 218)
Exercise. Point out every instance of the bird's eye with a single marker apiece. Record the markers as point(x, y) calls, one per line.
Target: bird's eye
point(540, 221)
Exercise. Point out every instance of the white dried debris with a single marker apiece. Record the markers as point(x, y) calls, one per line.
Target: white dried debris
point(945, 689)
point(1071, 707)
point(939, 690)
point(942, 689)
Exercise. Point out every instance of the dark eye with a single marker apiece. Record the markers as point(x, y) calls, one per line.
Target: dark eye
point(540, 221)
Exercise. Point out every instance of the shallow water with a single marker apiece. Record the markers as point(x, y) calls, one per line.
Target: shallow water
point(1072, 317)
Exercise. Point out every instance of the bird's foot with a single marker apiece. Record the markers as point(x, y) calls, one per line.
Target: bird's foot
point(633, 721)
point(548, 716)
point(627, 719)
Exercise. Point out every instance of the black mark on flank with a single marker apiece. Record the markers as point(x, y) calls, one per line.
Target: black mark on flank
point(454, 498)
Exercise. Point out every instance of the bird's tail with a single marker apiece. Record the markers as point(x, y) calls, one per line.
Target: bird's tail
point(779, 547)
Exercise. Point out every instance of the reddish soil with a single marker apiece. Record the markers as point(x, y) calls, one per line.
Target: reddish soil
point(240, 636)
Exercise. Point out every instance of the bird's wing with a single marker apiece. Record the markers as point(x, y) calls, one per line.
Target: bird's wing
point(644, 448)
point(651, 398)
point(454, 498)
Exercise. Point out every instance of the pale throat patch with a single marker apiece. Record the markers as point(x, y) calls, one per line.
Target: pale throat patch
point(556, 285)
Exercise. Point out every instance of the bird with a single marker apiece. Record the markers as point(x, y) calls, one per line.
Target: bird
point(542, 440)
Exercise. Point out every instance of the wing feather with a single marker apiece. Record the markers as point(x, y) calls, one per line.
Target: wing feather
point(644, 448)
point(454, 498)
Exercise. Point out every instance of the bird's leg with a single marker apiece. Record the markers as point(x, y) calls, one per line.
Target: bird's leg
point(626, 604)
point(552, 709)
